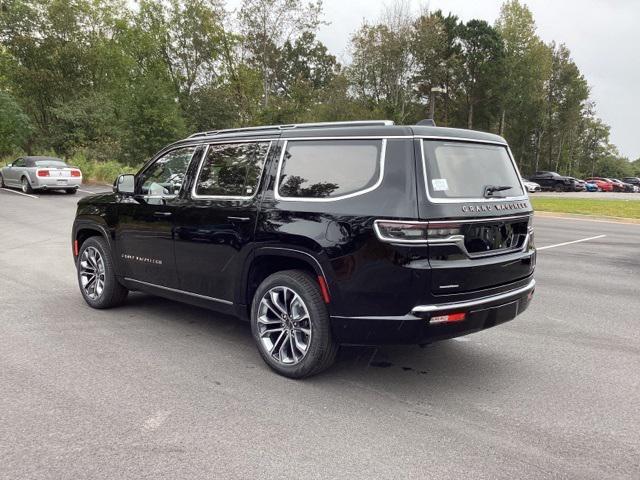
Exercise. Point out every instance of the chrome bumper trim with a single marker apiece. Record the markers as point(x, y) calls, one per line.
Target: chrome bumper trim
point(475, 302)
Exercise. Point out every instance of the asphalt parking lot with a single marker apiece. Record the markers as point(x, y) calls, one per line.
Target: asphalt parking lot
point(157, 389)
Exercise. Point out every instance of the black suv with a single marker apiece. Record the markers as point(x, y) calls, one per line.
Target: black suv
point(320, 235)
point(556, 182)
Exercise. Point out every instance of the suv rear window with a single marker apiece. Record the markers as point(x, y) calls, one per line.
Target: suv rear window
point(329, 168)
point(464, 170)
point(232, 170)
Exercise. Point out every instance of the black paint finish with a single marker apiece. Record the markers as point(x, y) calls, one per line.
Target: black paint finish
point(213, 252)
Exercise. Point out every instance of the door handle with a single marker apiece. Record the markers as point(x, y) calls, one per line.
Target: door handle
point(238, 219)
point(162, 214)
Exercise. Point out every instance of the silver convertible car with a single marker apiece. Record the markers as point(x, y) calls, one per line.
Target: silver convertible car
point(41, 173)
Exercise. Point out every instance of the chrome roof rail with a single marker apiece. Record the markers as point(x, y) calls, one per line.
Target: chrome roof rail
point(354, 123)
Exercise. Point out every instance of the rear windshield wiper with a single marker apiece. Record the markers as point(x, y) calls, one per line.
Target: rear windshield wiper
point(489, 190)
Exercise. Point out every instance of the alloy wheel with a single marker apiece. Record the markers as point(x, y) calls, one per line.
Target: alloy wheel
point(284, 325)
point(92, 273)
point(25, 185)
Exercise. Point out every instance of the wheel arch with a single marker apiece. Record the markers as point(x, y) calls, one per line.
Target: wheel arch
point(83, 230)
point(269, 260)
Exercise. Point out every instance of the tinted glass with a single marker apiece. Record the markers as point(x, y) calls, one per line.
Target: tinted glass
point(232, 170)
point(166, 175)
point(50, 163)
point(19, 163)
point(463, 170)
point(329, 168)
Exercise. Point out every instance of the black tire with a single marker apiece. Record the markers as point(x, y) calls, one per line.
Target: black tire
point(113, 293)
point(71, 191)
point(559, 187)
point(2, 185)
point(26, 185)
point(322, 348)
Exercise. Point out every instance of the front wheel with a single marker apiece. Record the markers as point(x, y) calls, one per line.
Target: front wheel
point(2, 185)
point(290, 324)
point(96, 275)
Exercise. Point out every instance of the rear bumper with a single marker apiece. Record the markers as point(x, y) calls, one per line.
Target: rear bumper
point(415, 328)
point(50, 183)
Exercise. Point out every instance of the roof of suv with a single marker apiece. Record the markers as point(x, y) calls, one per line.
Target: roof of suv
point(378, 128)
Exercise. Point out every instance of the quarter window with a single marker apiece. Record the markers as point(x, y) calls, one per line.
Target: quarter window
point(329, 168)
point(232, 170)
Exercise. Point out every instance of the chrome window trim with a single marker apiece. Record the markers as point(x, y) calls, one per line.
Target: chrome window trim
point(155, 160)
point(469, 199)
point(197, 196)
point(175, 290)
point(381, 162)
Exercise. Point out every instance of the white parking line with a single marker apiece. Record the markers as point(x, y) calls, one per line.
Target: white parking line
point(19, 193)
point(570, 243)
point(86, 191)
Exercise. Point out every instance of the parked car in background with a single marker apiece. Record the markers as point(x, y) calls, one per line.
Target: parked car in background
point(604, 184)
point(531, 187)
point(618, 186)
point(553, 181)
point(579, 185)
point(635, 181)
point(628, 187)
point(41, 173)
point(590, 186)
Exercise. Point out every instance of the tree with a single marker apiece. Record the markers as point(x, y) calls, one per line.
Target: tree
point(382, 68)
point(15, 126)
point(528, 63)
point(266, 25)
point(483, 65)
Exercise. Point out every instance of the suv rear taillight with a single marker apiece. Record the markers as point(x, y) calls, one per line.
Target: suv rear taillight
point(395, 231)
point(75, 173)
point(42, 173)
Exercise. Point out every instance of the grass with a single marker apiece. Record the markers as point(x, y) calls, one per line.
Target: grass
point(587, 206)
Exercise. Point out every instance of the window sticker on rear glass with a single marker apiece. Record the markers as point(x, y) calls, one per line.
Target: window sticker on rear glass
point(439, 184)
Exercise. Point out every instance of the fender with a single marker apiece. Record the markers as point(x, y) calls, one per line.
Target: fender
point(103, 230)
point(319, 266)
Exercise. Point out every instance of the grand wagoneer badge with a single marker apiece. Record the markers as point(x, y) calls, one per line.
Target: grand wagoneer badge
point(499, 206)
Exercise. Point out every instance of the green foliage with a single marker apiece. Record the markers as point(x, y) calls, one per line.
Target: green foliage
point(105, 81)
point(15, 125)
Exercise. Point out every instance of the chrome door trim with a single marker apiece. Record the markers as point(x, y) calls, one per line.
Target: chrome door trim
point(175, 290)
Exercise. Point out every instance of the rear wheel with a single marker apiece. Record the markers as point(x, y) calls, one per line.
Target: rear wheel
point(71, 191)
point(96, 275)
point(26, 186)
point(2, 185)
point(290, 324)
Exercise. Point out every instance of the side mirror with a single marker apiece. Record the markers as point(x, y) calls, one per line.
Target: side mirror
point(125, 184)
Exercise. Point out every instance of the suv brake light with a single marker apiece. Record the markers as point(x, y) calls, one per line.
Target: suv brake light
point(42, 173)
point(395, 231)
point(75, 173)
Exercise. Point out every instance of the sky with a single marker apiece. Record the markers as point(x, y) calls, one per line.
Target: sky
point(603, 36)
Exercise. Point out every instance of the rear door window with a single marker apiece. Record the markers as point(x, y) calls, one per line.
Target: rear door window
point(464, 170)
point(330, 169)
point(232, 170)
